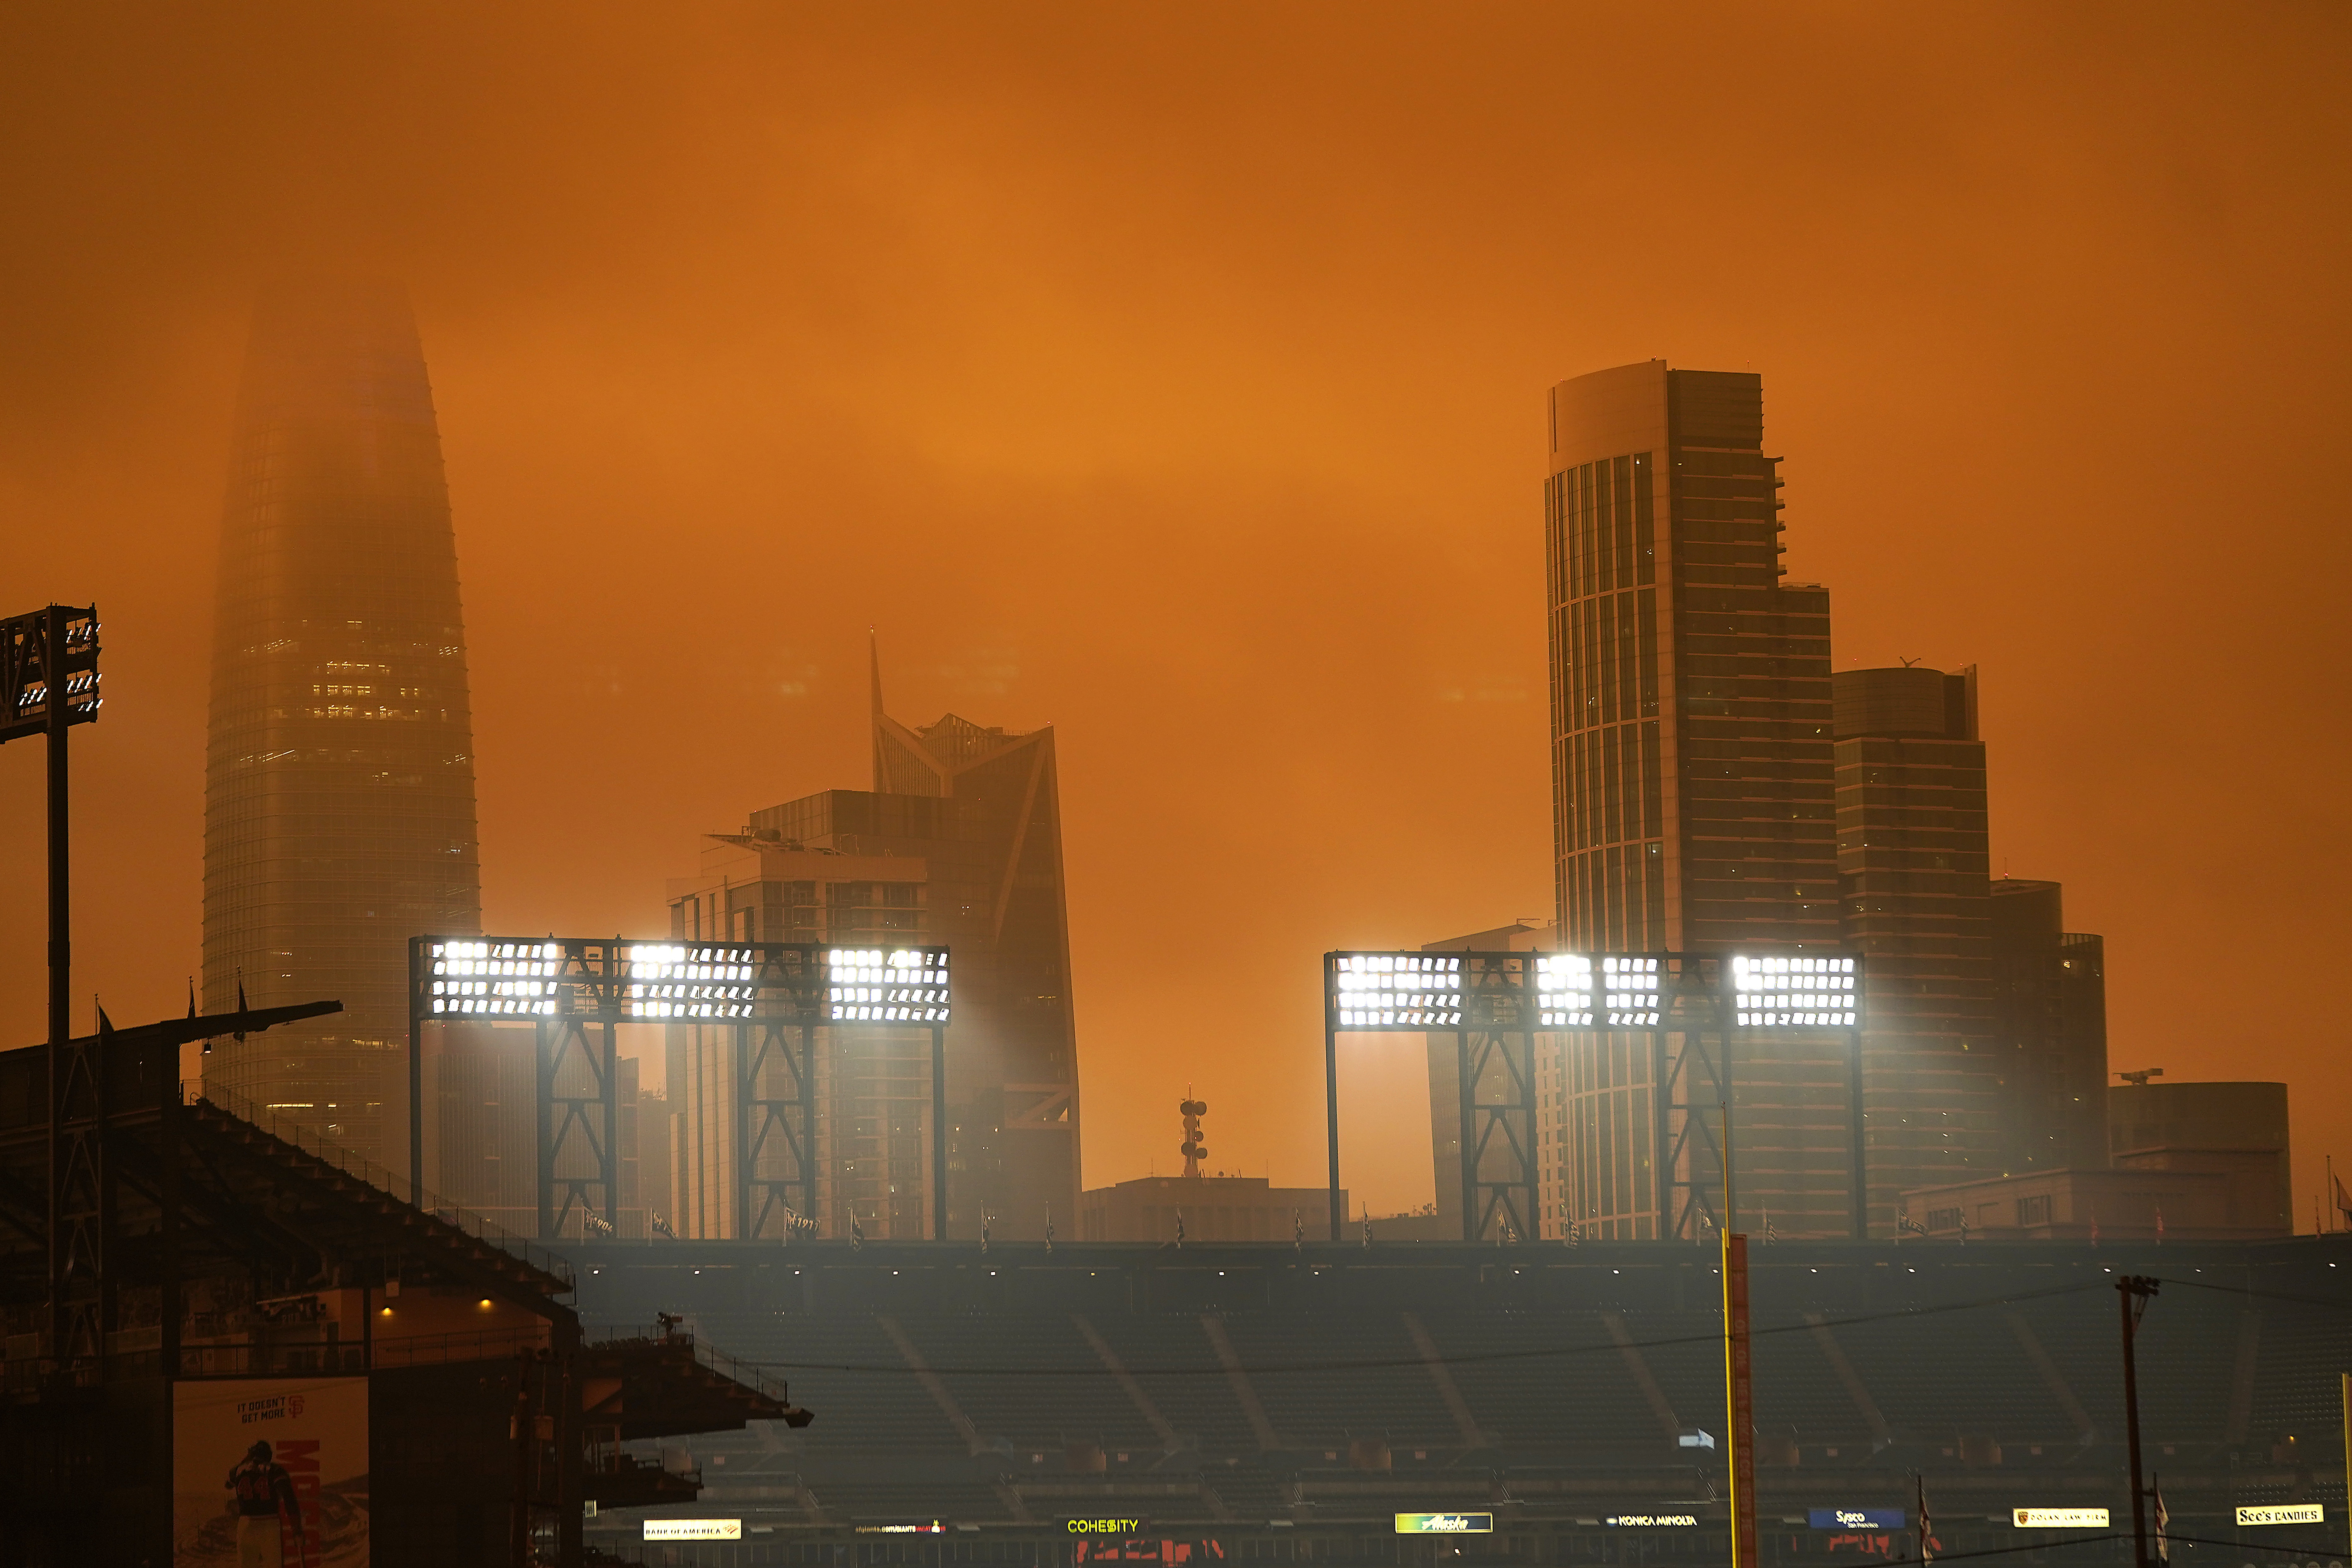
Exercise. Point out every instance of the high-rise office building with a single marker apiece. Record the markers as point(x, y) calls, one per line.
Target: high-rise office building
point(872, 1119)
point(1694, 807)
point(958, 844)
point(339, 801)
point(1915, 860)
point(2050, 1016)
point(998, 903)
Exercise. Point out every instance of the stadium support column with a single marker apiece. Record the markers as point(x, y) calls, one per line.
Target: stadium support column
point(938, 1134)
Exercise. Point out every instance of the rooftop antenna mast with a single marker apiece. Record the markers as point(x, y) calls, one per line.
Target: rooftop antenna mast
point(1193, 1148)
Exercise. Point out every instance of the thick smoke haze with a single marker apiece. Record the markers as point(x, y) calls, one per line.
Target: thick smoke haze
point(1176, 376)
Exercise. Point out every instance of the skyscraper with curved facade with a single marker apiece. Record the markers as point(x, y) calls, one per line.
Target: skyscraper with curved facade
point(338, 798)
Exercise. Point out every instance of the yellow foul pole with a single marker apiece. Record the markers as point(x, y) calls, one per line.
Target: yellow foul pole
point(1739, 1411)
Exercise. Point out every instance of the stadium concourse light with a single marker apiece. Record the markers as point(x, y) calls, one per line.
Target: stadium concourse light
point(766, 990)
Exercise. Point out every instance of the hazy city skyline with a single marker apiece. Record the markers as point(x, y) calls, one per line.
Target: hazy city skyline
point(1238, 484)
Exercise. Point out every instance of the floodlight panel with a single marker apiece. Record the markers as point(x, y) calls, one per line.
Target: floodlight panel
point(1564, 991)
point(1395, 990)
point(497, 977)
point(690, 980)
point(1629, 990)
point(885, 985)
point(1794, 991)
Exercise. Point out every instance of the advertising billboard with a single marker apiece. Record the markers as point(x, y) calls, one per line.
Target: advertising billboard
point(269, 1472)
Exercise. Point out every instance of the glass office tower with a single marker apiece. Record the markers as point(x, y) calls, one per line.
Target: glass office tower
point(1692, 803)
point(338, 790)
point(1915, 860)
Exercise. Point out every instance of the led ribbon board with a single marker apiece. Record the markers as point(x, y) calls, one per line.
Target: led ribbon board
point(619, 981)
point(1799, 991)
point(892, 985)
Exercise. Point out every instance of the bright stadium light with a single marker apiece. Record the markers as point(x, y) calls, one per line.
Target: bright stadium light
point(1629, 989)
point(1796, 991)
point(1564, 991)
point(1395, 990)
point(897, 985)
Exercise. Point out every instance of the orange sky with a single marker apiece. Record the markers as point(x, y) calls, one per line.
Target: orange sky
point(1175, 375)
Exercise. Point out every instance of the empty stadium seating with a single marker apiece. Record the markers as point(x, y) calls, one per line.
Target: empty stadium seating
point(1222, 1384)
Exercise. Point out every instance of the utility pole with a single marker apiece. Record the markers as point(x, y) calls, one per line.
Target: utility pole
point(2133, 1293)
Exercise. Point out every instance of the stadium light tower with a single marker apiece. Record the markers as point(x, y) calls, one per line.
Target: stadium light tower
point(48, 682)
point(1493, 1004)
point(768, 992)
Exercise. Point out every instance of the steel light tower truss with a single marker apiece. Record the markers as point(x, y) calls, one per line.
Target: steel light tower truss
point(1695, 1014)
point(576, 991)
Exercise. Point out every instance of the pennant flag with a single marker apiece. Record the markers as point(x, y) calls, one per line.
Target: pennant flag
point(1049, 1229)
point(1180, 1227)
point(856, 1234)
point(2163, 1537)
point(1904, 1222)
point(1926, 1528)
point(1297, 1232)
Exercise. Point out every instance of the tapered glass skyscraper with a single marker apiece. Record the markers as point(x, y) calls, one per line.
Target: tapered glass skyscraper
point(339, 799)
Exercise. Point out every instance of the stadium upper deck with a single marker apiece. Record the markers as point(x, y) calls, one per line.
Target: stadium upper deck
point(1255, 1394)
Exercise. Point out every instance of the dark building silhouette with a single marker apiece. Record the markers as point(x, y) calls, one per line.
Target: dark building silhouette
point(1694, 806)
point(339, 807)
point(2237, 1129)
point(1914, 862)
point(2050, 1012)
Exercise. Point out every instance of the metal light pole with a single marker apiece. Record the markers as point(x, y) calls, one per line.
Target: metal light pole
point(1331, 1086)
point(2133, 1292)
point(55, 650)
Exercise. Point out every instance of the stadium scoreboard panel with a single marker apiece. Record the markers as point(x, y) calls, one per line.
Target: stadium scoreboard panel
point(614, 980)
